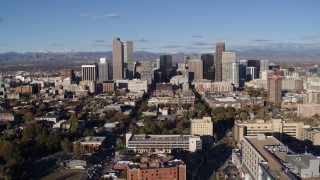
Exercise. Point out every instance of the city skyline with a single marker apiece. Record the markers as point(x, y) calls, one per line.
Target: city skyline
point(181, 27)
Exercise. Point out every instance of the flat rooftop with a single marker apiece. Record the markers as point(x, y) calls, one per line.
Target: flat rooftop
point(274, 165)
point(160, 138)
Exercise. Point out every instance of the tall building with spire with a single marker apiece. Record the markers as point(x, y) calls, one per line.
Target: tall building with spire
point(117, 59)
point(220, 47)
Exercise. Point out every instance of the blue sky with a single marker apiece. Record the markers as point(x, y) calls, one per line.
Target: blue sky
point(158, 26)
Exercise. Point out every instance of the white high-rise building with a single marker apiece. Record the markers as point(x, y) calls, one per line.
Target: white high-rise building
point(227, 57)
point(233, 73)
point(264, 65)
point(89, 72)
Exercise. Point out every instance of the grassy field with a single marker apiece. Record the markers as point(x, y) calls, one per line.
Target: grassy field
point(64, 175)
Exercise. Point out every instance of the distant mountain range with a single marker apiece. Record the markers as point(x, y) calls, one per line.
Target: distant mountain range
point(308, 56)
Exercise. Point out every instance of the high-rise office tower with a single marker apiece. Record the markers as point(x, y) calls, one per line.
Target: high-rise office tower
point(255, 63)
point(251, 73)
point(146, 70)
point(208, 66)
point(242, 72)
point(128, 58)
point(233, 73)
point(165, 67)
point(275, 89)
point(103, 69)
point(117, 59)
point(220, 47)
point(227, 57)
point(89, 72)
point(195, 68)
point(264, 65)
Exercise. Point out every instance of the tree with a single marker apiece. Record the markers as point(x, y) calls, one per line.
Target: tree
point(220, 116)
point(28, 117)
point(243, 116)
point(77, 149)
point(119, 143)
point(74, 123)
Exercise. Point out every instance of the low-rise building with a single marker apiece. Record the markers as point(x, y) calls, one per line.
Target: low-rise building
point(202, 127)
point(203, 87)
point(265, 157)
point(90, 143)
point(277, 127)
point(6, 117)
point(157, 169)
point(143, 143)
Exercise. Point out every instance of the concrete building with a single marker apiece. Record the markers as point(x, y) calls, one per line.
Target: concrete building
point(144, 143)
point(137, 85)
point(220, 47)
point(103, 70)
point(308, 110)
point(108, 86)
point(146, 70)
point(264, 65)
point(265, 74)
point(266, 158)
point(67, 73)
point(311, 135)
point(276, 127)
point(311, 98)
point(89, 72)
point(202, 87)
point(202, 127)
point(292, 84)
point(312, 84)
point(117, 59)
point(195, 68)
point(90, 143)
point(157, 169)
point(275, 89)
point(227, 58)
point(257, 83)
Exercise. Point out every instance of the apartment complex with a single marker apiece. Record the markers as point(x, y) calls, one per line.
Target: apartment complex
point(308, 110)
point(202, 86)
point(202, 127)
point(275, 89)
point(276, 127)
point(143, 143)
point(311, 136)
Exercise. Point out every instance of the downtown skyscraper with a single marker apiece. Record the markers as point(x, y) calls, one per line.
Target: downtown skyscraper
point(117, 59)
point(128, 59)
point(220, 47)
point(208, 66)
